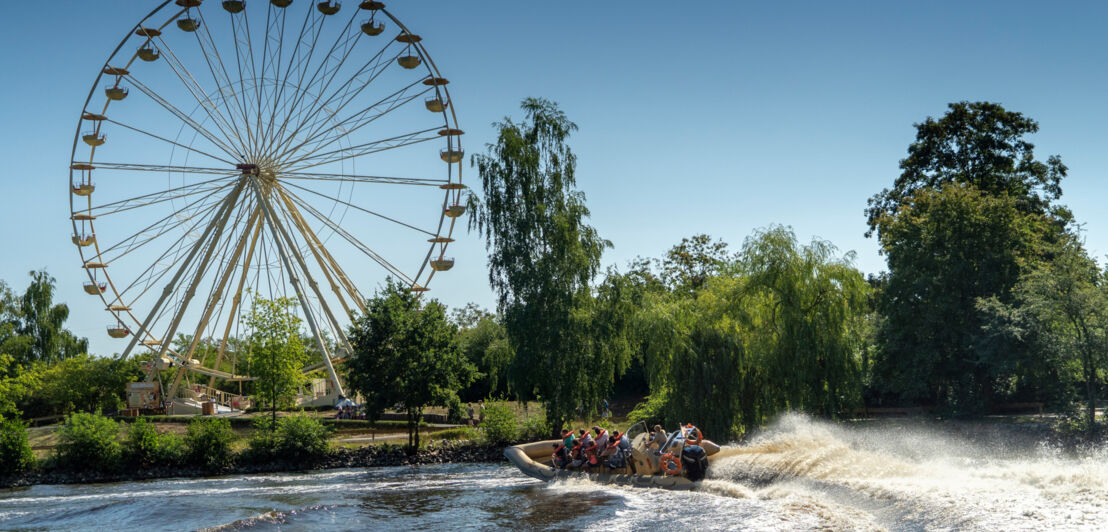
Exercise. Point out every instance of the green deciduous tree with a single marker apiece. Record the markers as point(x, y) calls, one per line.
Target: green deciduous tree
point(484, 343)
point(405, 356)
point(542, 257)
point(979, 144)
point(32, 326)
point(947, 248)
point(276, 351)
point(779, 329)
point(689, 264)
point(83, 383)
point(971, 211)
point(1061, 309)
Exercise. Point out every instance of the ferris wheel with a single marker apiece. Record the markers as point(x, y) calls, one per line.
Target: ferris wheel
point(286, 149)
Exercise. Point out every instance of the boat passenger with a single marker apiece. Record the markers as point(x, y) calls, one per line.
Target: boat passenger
point(584, 436)
point(590, 449)
point(622, 447)
point(561, 449)
point(577, 457)
point(658, 438)
point(601, 437)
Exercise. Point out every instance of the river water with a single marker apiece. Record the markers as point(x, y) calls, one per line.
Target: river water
point(799, 475)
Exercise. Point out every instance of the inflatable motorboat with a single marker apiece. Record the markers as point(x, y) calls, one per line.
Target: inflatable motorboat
point(676, 464)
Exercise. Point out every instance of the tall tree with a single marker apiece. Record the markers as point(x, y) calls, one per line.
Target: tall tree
point(405, 356)
point(32, 326)
point(980, 144)
point(1067, 300)
point(778, 329)
point(689, 264)
point(485, 345)
point(276, 351)
point(542, 257)
point(971, 210)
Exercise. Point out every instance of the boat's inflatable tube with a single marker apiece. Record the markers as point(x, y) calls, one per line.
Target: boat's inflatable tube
point(527, 458)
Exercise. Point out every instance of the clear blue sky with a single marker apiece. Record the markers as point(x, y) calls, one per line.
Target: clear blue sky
point(713, 117)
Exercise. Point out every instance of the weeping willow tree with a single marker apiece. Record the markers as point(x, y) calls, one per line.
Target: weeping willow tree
point(542, 259)
point(779, 329)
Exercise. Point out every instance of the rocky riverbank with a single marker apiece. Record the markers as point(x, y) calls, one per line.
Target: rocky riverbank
point(369, 456)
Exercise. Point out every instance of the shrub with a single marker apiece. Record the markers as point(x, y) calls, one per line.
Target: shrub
point(298, 437)
point(262, 445)
point(455, 411)
point(145, 447)
point(499, 424)
point(208, 440)
point(652, 411)
point(534, 428)
point(88, 441)
point(15, 451)
point(301, 437)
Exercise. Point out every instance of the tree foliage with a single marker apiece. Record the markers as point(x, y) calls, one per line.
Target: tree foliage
point(32, 326)
point(1060, 310)
point(276, 351)
point(83, 383)
point(689, 264)
point(979, 144)
point(542, 258)
point(971, 211)
point(484, 343)
point(779, 329)
point(405, 356)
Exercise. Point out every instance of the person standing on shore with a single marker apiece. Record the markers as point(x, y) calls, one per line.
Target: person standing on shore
point(469, 414)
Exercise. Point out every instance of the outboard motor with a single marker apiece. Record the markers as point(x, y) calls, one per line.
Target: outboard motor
point(695, 462)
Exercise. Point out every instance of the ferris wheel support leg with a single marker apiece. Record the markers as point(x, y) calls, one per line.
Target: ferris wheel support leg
point(279, 234)
point(200, 270)
point(236, 301)
point(224, 209)
point(318, 251)
point(218, 294)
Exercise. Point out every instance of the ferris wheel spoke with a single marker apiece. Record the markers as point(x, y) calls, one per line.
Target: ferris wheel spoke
point(367, 211)
point(151, 275)
point(327, 263)
point(269, 57)
point(278, 231)
point(245, 49)
point(184, 118)
point(227, 127)
point(306, 89)
point(398, 141)
point(356, 121)
point(157, 197)
point(162, 168)
point(223, 213)
point(157, 227)
point(376, 66)
point(324, 123)
point(215, 295)
point(363, 179)
point(302, 64)
point(237, 298)
point(224, 84)
point(389, 267)
point(210, 241)
point(163, 139)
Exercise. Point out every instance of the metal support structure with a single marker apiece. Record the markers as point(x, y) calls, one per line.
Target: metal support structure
point(224, 211)
point(278, 231)
point(306, 114)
